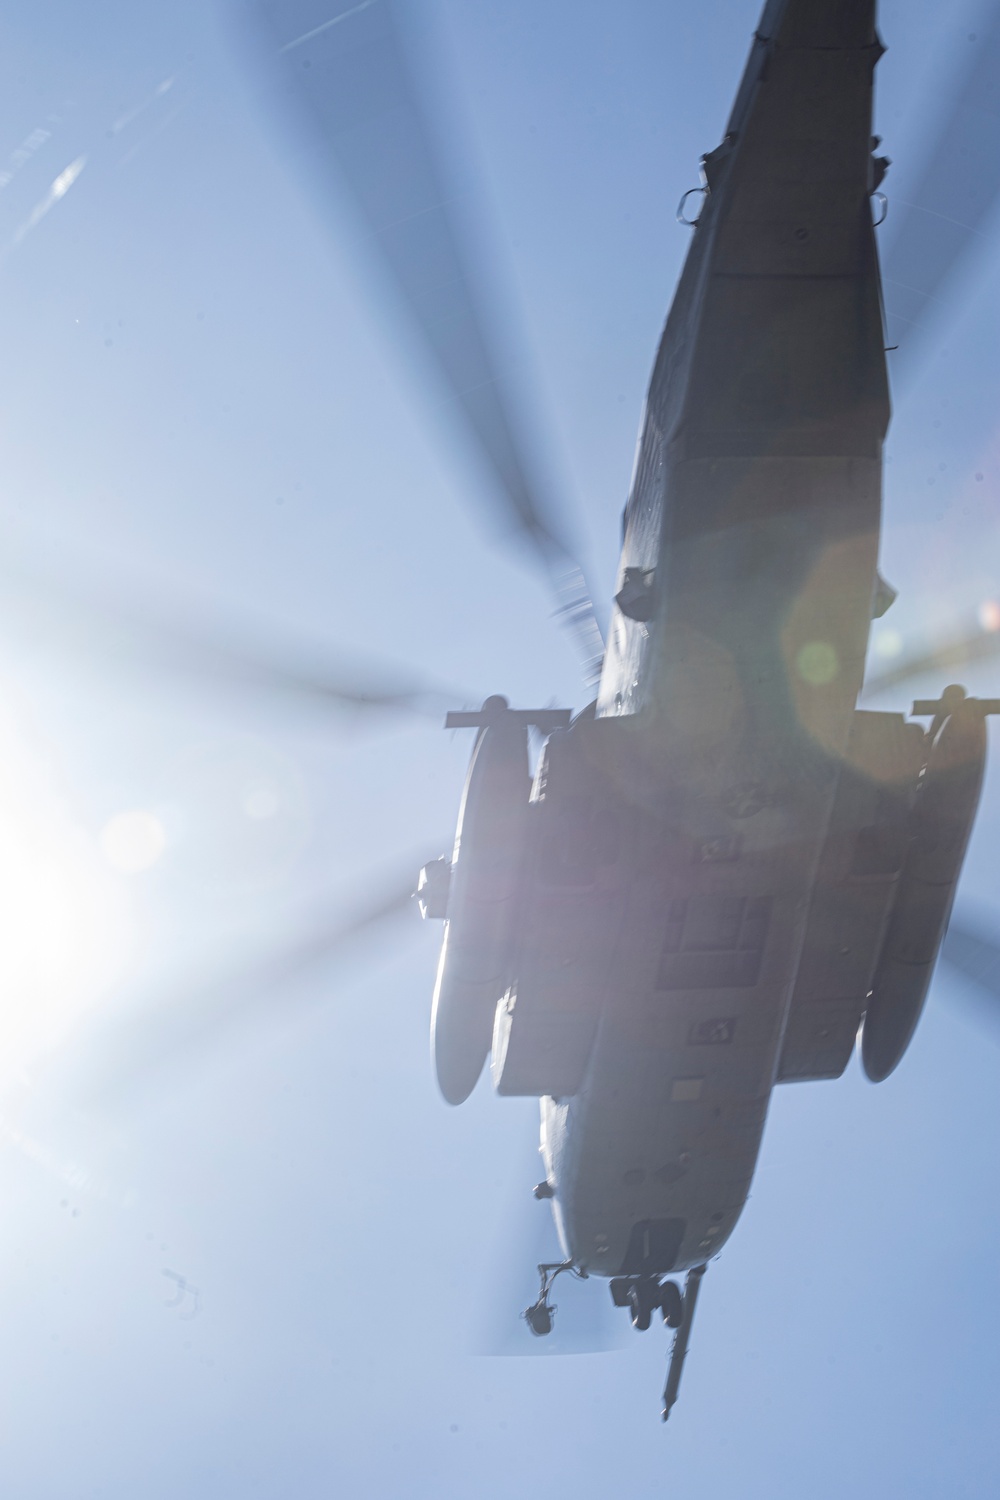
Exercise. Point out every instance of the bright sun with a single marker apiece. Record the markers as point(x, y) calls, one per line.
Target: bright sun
point(65, 918)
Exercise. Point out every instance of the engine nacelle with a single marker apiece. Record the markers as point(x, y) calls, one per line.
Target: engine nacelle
point(568, 936)
point(474, 970)
point(940, 824)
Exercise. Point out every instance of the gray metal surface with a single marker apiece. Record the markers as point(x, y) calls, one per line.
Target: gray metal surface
point(755, 507)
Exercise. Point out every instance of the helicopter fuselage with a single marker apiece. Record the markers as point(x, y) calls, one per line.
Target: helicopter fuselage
point(734, 664)
point(724, 867)
point(723, 872)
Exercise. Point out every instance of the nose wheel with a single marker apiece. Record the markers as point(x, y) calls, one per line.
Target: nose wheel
point(540, 1314)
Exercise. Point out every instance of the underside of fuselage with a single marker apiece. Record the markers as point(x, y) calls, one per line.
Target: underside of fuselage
point(736, 651)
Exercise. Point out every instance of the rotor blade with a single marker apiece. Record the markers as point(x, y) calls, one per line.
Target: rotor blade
point(948, 209)
point(958, 652)
point(119, 634)
point(345, 69)
point(130, 1047)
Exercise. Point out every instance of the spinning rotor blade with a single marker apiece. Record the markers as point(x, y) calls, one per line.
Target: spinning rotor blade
point(933, 231)
point(960, 651)
point(123, 635)
point(345, 68)
point(131, 1047)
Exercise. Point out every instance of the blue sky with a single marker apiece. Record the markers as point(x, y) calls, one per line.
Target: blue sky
point(206, 406)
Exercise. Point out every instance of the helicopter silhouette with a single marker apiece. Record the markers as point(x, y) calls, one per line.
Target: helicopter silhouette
point(412, 229)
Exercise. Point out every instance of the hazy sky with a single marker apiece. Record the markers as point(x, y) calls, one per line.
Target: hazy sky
point(262, 1270)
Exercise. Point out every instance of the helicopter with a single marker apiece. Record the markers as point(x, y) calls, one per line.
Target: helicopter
point(550, 549)
point(722, 871)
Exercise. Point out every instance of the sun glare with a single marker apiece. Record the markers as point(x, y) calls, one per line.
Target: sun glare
point(133, 841)
point(66, 931)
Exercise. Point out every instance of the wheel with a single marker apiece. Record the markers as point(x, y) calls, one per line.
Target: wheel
point(539, 1319)
point(671, 1304)
point(641, 1303)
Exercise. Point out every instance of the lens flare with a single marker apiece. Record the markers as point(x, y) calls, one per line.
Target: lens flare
point(817, 663)
point(989, 614)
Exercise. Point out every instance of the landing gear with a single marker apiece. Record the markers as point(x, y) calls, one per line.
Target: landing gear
point(540, 1314)
point(644, 1295)
point(671, 1304)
